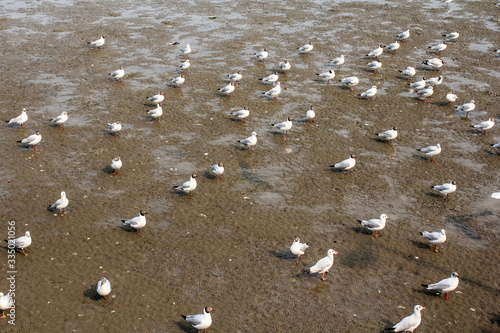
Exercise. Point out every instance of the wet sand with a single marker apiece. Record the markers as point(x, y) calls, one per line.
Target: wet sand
point(228, 247)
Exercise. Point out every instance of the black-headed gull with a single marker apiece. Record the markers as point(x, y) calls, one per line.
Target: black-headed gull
point(250, 141)
point(298, 249)
point(241, 114)
point(284, 126)
point(118, 74)
point(350, 81)
point(330, 75)
point(186, 51)
point(178, 81)
point(439, 48)
point(404, 35)
point(485, 125)
point(235, 76)
point(6, 302)
point(339, 61)
point(323, 265)
point(467, 107)
point(188, 186)
point(185, 65)
point(306, 49)
point(273, 92)
point(369, 93)
point(262, 55)
point(310, 115)
point(452, 35)
point(345, 165)
point(377, 52)
point(389, 135)
point(409, 72)
point(200, 321)
point(435, 63)
point(98, 42)
point(374, 65)
point(446, 188)
point(445, 285)
point(418, 84)
point(137, 222)
point(116, 165)
point(436, 237)
point(434, 81)
point(218, 170)
point(375, 224)
point(32, 140)
point(451, 97)
point(285, 66)
point(158, 98)
point(271, 78)
point(60, 204)
point(426, 93)
point(104, 288)
point(227, 90)
point(393, 47)
point(60, 119)
point(19, 120)
point(410, 323)
point(21, 243)
point(431, 151)
point(156, 113)
point(115, 127)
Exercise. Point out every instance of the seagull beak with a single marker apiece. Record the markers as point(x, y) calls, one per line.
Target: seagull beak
point(423, 308)
point(387, 217)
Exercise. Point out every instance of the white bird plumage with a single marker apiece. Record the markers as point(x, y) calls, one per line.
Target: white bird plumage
point(452, 35)
point(485, 125)
point(158, 98)
point(32, 140)
point(137, 222)
point(218, 170)
point(436, 237)
point(389, 134)
point(185, 65)
point(60, 204)
point(408, 72)
point(426, 93)
point(262, 55)
point(345, 165)
point(310, 114)
point(104, 288)
point(439, 48)
point(377, 52)
point(466, 107)
point(418, 84)
point(369, 93)
point(285, 65)
point(186, 50)
point(323, 265)
point(431, 151)
point(350, 81)
point(116, 165)
point(227, 90)
point(188, 186)
point(445, 285)
point(273, 92)
point(22, 242)
point(435, 63)
point(404, 35)
point(446, 188)
point(393, 47)
point(241, 114)
point(339, 61)
point(200, 321)
point(156, 113)
point(375, 224)
point(271, 78)
point(6, 302)
point(298, 248)
point(118, 74)
point(250, 141)
point(98, 42)
point(235, 76)
point(306, 48)
point(284, 126)
point(434, 81)
point(178, 81)
point(115, 127)
point(60, 119)
point(410, 323)
point(451, 97)
point(330, 75)
point(19, 120)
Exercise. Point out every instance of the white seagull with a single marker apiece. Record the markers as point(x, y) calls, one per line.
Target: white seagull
point(98, 43)
point(410, 323)
point(284, 126)
point(451, 97)
point(408, 72)
point(273, 92)
point(6, 302)
point(21, 243)
point(285, 66)
point(185, 65)
point(200, 321)
point(436, 237)
point(369, 93)
point(306, 48)
point(235, 76)
point(446, 188)
point(116, 164)
point(137, 222)
point(178, 81)
point(350, 81)
point(445, 285)
point(187, 50)
point(377, 52)
point(345, 165)
point(434, 81)
point(19, 120)
point(115, 127)
point(375, 224)
point(310, 114)
point(60, 119)
point(327, 76)
point(158, 98)
point(271, 78)
point(188, 186)
point(250, 141)
point(496, 145)
point(218, 170)
point(374, 65)
point(262, 55)
point(485, 125)
point(60, 204)
point(431, 151)
point(118, 74)
point(426, 93)
point(389, 134)
point(393, 47)
point(439, 47)
point(467, 107)
point(452, 35)
point(156, 113)
point(339, 61)
point(227, 90)
point(104, 288)
point(435, 63)
point(32, 140)
point(323, 265)
point(419, 84)
point(404, 35)
point(298, 249)
point(241, 114)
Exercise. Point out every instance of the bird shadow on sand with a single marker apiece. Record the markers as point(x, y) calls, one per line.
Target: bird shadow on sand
point(495, 319)
point(92, 293)
point(435, 195)
point(208, 175)
point(277, 133)
point(424, 291)
point(420, 244)
point(286, 255)
point(361, 230)
point(388, 326)
point(186, 327)
point(108, 170)
point(419, 157)
point(491, 152)
point(388, 143)
point(108, 133)
point(236, 120)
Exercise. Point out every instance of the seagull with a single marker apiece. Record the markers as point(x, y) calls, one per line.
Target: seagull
point(235, 76)
point(115, 127)
point(274, 92)
point(410, 323)
point(118, 74)
point(345, 165)
point(19, 120)
point(310, 114)
point(350, 81)
point(137, 222)
point(435, 63)
point(271, 78)
point(445, 285)
point(60, 119)
point(200, 321)
point(369, 93)
point(485, 125)
point(404, 35)
point(375, 224)
point(178, 81)
point(323, 265)
point(431, 151)
point(452, 35)
point(496, 145)
point(374, 65)
point(98, 43)
point(104, 288)
point(393, 47)
point(435, 238)
point(306, 48)
point(327, 76)
point(158, 98)
point(185, 65)
point(339, 61)
point(156, 113)
point(446, 188)
point(377, 52)
point(409, 72)
point(467, 107)
point(250, 141)
point(284, 126)
point(439, 47)
point(426, 93)
point(389, 134)
point(285, 66)
point(241, 114)
point(188, 186)
point(187, 50)
point(21, 243)
point(262, 55)
point(298, 249)
point(32, 140)
point(116, 164)
point(60, 204)
point(218, 169)
point(419, 84)
point(451, 97)
point(6, 302)
point(434, 81)
point(227, 90)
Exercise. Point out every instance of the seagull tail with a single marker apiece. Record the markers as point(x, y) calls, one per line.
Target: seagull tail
point(123, 221)
point(425, 285)
point(273, 124)
point(183, 316)
point(19, 141)
point(432, 187)
point(7, 121)
point(421, 234)
point(359, 221)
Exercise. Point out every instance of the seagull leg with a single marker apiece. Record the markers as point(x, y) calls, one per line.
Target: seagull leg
point(190, 195)
point(436, 249)
point(243, 121)
point(485, 133)
point(3, 314)
point(21, 127)
point(375, 234)
point(432, 159)
point(446, 296)
point(323, 277)
point(106, 298)
point(352, 88)
point(22, 250)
